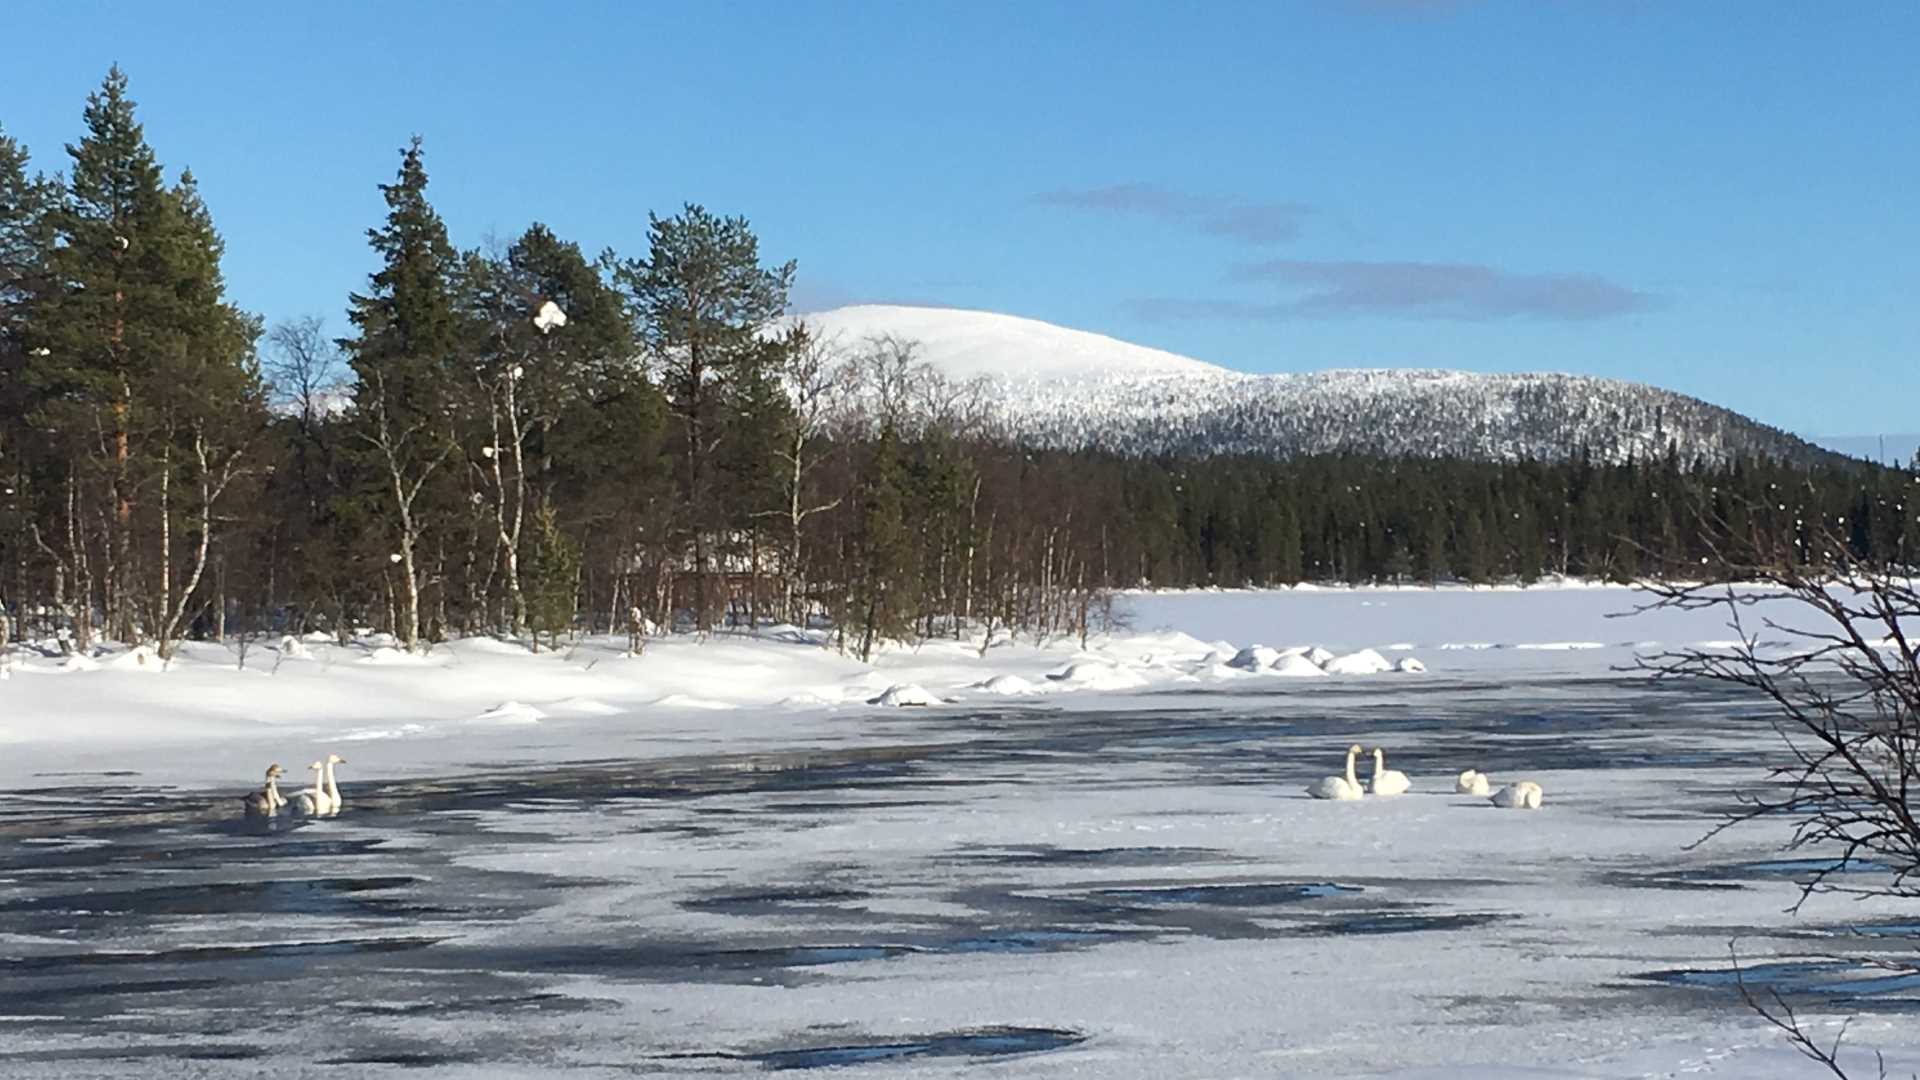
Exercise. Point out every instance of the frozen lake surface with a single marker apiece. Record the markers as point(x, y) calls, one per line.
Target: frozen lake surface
point(1017, 890)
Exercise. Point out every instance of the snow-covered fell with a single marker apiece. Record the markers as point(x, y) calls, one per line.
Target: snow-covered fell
point(1052, 386)
point(969, 344)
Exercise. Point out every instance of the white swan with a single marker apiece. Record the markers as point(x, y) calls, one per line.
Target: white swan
point(1340, 787)
point(1473, 782)
point(268, 800)
point(313, 802)
point(1523, 795)
point(333, 791)
point(1385, 781)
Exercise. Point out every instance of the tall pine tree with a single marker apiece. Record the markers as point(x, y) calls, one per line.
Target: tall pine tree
point(145, 377)
point(702, 299)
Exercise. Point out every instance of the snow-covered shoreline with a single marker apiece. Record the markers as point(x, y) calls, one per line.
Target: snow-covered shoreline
point(209, 719)
point(200, 716)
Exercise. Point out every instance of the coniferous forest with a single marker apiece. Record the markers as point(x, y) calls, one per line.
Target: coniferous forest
point(547, 436)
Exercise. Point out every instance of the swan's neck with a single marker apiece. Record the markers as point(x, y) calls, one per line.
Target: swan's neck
point(1351, 778)
point(333, 791)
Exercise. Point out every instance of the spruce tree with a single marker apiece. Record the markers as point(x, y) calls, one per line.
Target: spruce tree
point(881, 605)
point(553, 575)
point(94, 330)
point(404, 357)
point(1476, 559)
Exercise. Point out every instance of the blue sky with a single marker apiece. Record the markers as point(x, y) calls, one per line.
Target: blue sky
point(1713, 197)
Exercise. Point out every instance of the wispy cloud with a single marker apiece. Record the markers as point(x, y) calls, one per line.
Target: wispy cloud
point(1408, 289)
point(1259, 223)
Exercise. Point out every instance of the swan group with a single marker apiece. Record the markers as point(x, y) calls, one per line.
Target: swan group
point(1347, 787)
point(1520, 795)
point(320, 800)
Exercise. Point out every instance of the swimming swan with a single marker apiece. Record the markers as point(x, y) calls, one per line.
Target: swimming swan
point(313, 802)
point(1523, 795)
point(1473, 782)
point(267, 801)
point(1385, 781)
point(1340, 787)
point(333, 791)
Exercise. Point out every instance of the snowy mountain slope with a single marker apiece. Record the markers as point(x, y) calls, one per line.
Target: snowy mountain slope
point(968, 344)
point(1057, 387)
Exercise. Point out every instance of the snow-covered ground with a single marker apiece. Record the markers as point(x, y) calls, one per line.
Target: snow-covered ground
point(753, 853)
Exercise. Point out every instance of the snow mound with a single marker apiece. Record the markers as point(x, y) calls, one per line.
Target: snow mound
point(1297, 666)
point(1313, 653)
point(292, 648)
point(1095, 675)
point(1410, 664)
point(1006, 684)
point(317, 637)
point(138, 658)
point(510, 712)
point(808, 699)
point(1364, 662)
point(584, 707)
point(79, 662)
point(1254, 657)
point(901, 695)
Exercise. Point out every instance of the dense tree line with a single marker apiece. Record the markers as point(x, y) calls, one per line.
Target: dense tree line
point(1394, 413)
point(530, 439)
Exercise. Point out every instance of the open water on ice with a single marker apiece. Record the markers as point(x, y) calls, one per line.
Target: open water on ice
point(1139, 892)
